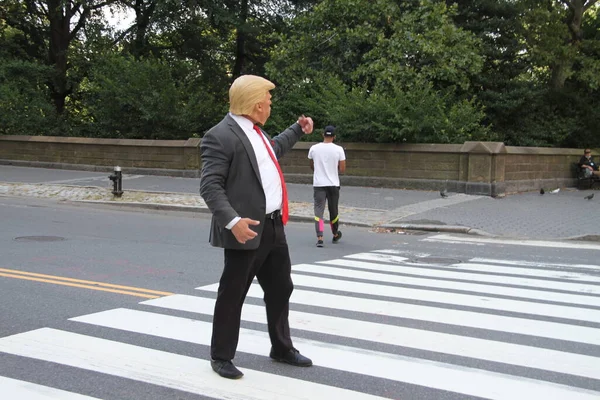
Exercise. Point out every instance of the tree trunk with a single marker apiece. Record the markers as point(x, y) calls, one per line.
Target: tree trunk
point(143, 16)
point(240, 40)
point(60, 18)
point(562, 68)
point(560, 73)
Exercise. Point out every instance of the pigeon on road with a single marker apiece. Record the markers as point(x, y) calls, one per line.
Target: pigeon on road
point(542, 191)
point(555, 190)
point(591, 196)
point(444, 193)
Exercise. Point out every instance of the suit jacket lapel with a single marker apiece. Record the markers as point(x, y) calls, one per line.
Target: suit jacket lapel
point(247, 145)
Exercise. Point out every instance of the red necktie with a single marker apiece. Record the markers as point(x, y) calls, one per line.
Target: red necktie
point(284, 202)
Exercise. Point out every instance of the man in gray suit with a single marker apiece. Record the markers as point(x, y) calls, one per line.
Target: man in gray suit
point(242, 185)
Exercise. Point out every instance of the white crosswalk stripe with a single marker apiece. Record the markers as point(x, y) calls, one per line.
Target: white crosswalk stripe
point(486, 328)
point(161, 368)
point(507, 273)
point(535, 243)
point(532, 292)
point(471, 319)
point(17, 389)
point(393, 335)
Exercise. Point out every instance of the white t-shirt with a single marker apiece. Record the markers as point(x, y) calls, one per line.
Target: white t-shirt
point(326, 157)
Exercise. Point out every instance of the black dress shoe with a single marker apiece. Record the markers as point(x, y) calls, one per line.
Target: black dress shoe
point(292, 357)
point(226, 369)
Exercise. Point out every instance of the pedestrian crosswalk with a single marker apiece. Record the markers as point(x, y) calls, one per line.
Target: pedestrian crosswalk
point(481, 328)
point(16, 389)
point(564, 244)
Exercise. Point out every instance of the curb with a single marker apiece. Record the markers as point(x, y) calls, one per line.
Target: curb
point(440, 228)
point(204, 210)
point(584, 238)
point(149, 206)
point(478, 232)
point(302, 218)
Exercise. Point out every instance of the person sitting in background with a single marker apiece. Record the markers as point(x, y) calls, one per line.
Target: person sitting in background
point(587, 164)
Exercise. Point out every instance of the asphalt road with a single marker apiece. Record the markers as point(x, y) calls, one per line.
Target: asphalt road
point(104, 302)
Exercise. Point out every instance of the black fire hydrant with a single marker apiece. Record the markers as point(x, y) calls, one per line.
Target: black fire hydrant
point(117, 178)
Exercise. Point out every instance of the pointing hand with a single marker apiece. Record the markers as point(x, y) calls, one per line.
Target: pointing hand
point(306, 123)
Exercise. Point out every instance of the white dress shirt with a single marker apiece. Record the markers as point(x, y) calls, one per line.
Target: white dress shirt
point(269, 175)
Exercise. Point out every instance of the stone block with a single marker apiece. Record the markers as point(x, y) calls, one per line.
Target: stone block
point(296, 170)
point(478, 188)
point(479, 169)
point(157, 159)
point(394, 158)
point(434, 165)
point(375, 164)
point(483, 148)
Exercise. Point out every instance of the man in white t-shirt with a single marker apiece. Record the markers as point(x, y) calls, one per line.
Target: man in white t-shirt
point(327, 161)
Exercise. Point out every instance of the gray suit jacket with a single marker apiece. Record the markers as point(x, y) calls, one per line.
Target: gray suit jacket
point(230, 181)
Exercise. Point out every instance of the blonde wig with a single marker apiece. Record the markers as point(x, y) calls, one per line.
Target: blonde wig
point(246, 92)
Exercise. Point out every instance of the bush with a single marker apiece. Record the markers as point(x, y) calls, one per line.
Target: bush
point(418, 115)
point(25, 105)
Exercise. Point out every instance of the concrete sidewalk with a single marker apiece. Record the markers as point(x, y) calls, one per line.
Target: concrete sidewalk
point(564, 215)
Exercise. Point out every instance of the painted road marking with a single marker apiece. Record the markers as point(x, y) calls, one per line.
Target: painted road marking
point(481, 320)
point(485, 268)
point(485, 287)
point(84, 284)
point(535, 243)
point(490, 350)
point(165, 369)
point(22, 390)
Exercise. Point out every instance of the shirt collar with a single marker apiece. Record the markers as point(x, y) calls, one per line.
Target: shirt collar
point(243, 122)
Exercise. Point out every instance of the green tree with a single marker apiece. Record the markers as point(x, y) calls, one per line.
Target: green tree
point(400, 72)
point(51, 26)
point(561, 39)
point(500, 86)
point(128, 98)
point(25, 104)
point(557, 43)
point(246, 27)
point(535, 71)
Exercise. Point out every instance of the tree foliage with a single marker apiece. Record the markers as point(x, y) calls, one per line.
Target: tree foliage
point(526, 72)
point(400, 72)
point(25, 104)
point(535, 70)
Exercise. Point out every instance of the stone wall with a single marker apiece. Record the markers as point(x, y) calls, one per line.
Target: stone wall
point(528, 168)
point(488, 168)
point(180, 157)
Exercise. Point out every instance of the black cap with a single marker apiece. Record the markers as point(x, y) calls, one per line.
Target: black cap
point(329, 129)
